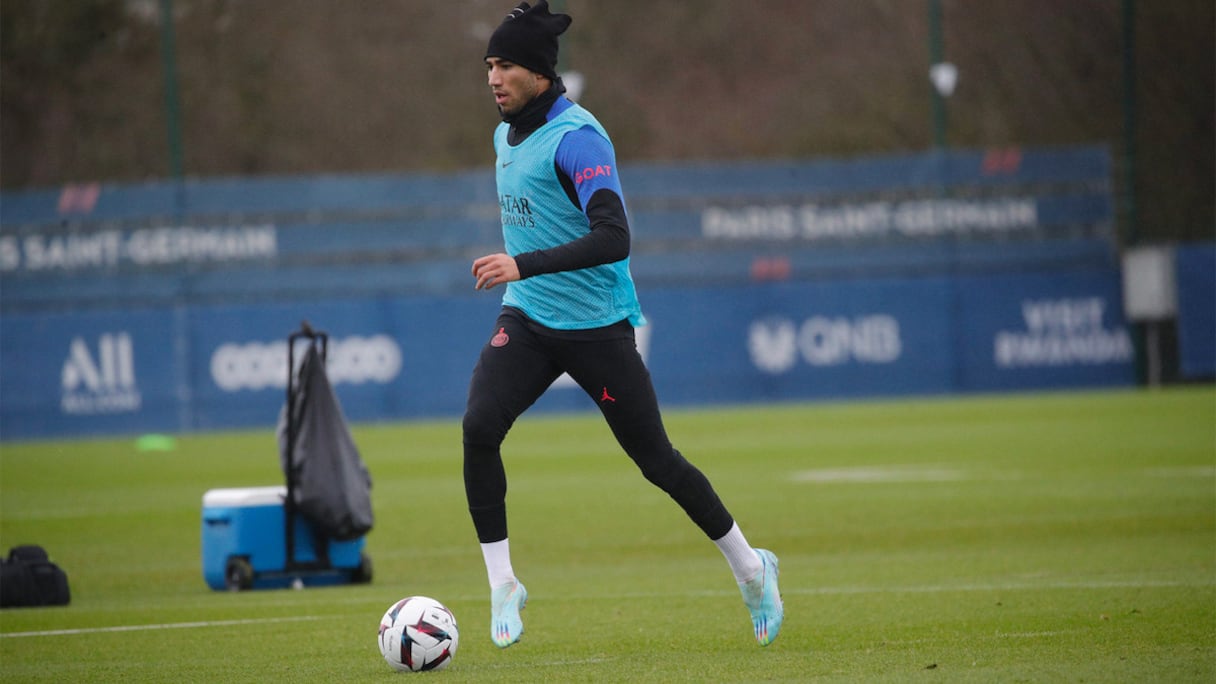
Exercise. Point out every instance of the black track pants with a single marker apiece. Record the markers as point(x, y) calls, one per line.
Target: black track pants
point(515, 368)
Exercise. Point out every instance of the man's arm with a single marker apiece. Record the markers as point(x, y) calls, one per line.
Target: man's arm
point(598, 194)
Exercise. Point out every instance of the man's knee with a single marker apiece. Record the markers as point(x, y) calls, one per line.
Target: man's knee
point(477, 432)
point(484, 424)
point(668, 471)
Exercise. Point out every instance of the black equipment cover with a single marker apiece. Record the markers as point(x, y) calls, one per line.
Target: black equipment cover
point(327, 481)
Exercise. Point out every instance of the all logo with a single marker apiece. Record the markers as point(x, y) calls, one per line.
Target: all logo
point(100, 380)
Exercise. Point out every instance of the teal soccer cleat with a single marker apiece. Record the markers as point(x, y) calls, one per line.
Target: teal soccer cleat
point(763, 599)
point(505, 603)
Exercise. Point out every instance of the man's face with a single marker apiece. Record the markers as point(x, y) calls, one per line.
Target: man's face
point(513, 86)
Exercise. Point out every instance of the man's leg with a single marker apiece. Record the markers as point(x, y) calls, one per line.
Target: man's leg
point(511, 374)
point(614, 375)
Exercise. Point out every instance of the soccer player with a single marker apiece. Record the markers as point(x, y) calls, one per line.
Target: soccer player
point(569, 305)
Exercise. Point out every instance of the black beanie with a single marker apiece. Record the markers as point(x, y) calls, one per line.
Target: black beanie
point(528, 37)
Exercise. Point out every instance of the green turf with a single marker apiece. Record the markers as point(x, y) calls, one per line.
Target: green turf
point(1052, 537)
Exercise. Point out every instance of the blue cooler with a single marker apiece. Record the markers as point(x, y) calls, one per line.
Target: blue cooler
point(245, 545)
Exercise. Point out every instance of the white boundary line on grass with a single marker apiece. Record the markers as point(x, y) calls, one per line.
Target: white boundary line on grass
point(822, 591)
point(169, 625)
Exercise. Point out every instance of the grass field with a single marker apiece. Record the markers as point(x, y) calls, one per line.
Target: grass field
point(1045, 538)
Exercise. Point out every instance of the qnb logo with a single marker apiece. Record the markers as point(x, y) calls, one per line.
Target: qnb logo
point(775, 344)
point(101, 382)
point(352, 360)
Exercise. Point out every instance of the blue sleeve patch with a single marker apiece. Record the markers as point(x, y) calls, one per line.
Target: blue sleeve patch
point(588, 158)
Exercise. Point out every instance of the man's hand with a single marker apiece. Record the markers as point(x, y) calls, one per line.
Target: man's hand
point(494, 269)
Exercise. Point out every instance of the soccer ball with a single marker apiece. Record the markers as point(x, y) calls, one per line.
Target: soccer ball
point(418, 634)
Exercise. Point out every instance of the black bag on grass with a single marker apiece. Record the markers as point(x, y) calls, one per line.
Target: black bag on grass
point(29, 578)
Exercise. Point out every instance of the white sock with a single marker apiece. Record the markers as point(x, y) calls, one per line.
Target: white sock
point(498, 563)
point(744, 562)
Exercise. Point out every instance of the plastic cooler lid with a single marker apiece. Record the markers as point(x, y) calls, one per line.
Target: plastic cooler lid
point(245, 496)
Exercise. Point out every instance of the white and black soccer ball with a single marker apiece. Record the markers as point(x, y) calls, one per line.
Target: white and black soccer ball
point(418, 634)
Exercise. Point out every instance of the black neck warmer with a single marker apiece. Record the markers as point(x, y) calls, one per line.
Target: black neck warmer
point(532, 115)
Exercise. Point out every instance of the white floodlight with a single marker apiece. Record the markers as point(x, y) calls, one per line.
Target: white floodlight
point(944, 76)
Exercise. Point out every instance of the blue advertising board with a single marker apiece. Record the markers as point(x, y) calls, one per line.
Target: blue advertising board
point(166, 306)
point(203, 368)
point(204, 241)
point(799, 340)
point(1042, 331)
point(1195, 266)
point(90, 373)
point(387, 358)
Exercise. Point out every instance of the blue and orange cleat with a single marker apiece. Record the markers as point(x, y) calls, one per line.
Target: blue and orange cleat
point(763, 599)
point(505, 603)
